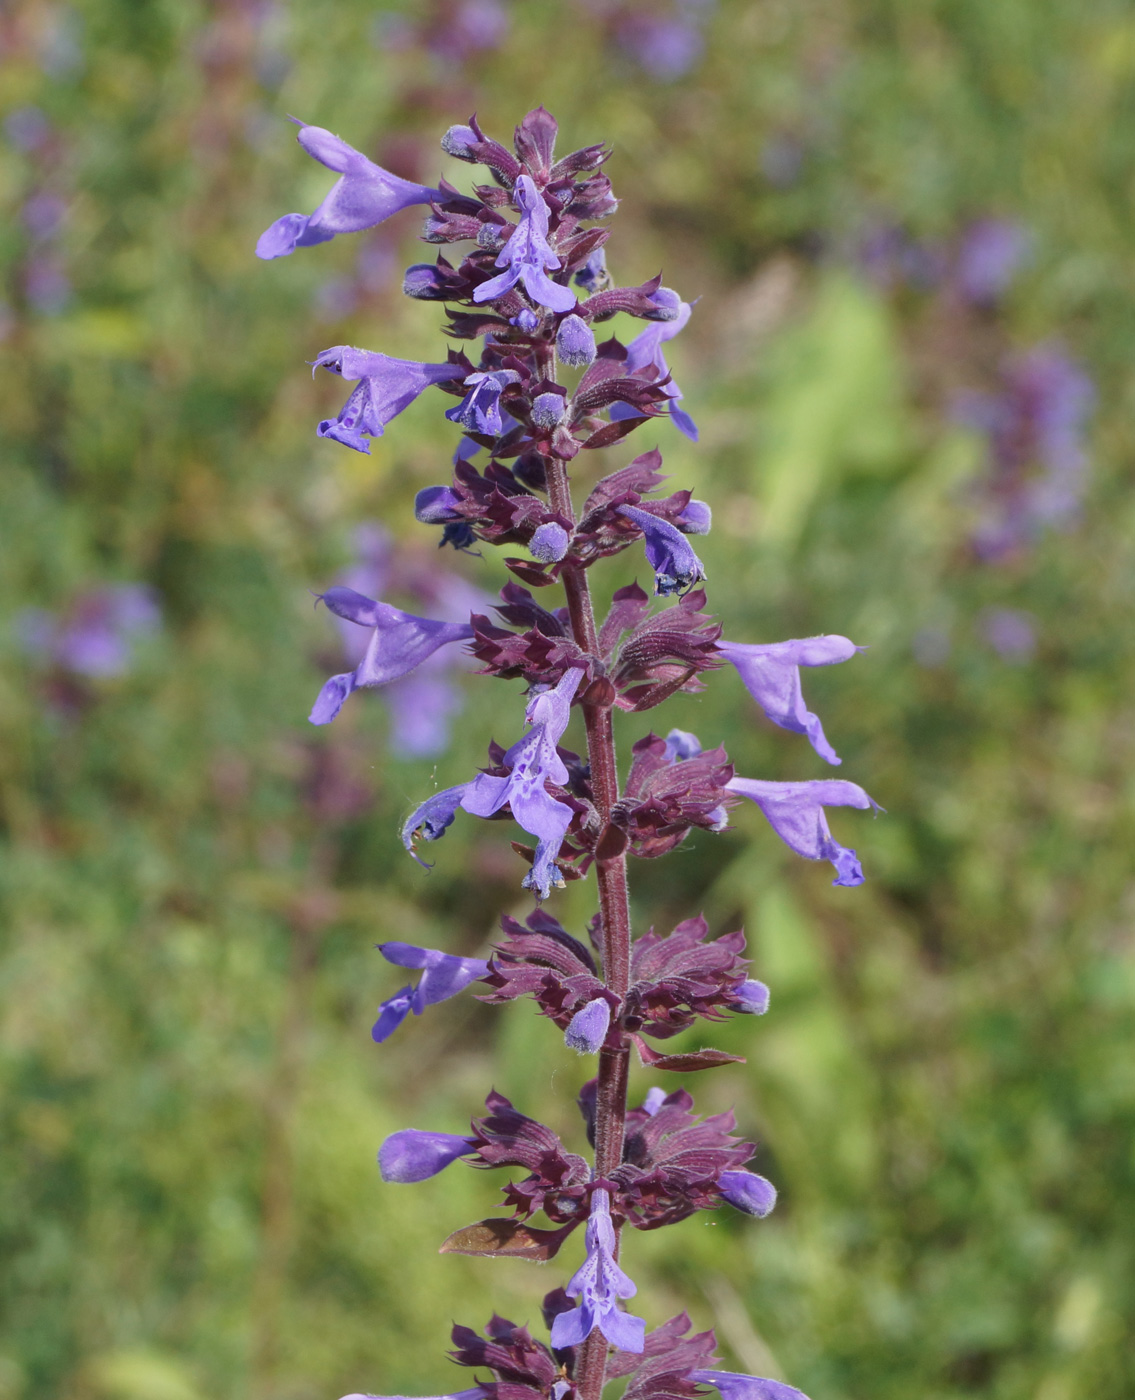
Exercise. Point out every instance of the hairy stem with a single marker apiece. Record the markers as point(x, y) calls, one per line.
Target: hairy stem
point(614, 911)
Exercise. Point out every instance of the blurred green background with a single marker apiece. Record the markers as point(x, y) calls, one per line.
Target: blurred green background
point(192, 878)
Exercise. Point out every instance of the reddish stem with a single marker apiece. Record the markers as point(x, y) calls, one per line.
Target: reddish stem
point(614, 911)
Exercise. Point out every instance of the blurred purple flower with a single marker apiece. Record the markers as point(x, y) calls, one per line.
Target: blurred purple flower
point(1010, 632)
point(46, 285)
point(989, 257)
point(27, 128)
point(1035, 425)
point(97, 635)
point(665, 48)
point(473, 26)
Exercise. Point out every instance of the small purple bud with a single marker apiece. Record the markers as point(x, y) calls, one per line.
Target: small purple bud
point(527, 321)
point(423, 283)
point(575, 344)
point(550, 543)
point(748, 1192)
point(751, 997)
point(434, 505)
point(457, 141)
point(696, 519)
point(414, 1155)
point(490, 236)
point(587, 1029)
point(547, 410)
point(668, 304)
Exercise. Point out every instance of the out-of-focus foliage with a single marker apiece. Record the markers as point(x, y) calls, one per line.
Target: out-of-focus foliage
point(192, 878)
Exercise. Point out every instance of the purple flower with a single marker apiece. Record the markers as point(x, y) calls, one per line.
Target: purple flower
point(531, 761)
point(748, 1192)
point(363, 196)
point(550, 542)
point(990, 255)
point(599, 1283)
point(1011, 632)
point(386, 387)
point(527, 254)
point(587, 1029)
point(795, 812)
point(676, 567)
point(399, 642)
point(97, 635)
point(479, 411)
point(696, 519)
point(734, 1386)
point(415, 1155)
point(646, 349)
point(443, 977)
point(772, 677)
point(665, 48)
point(27, 128)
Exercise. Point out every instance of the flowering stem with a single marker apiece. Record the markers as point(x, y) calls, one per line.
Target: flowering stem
point(614, 913)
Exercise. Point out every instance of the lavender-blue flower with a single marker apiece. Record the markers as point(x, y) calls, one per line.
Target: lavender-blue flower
point(414, 1154)
point(676, 567)
point(363, 196)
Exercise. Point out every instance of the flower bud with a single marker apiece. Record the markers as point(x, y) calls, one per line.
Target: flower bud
point(434, 505)
point(575, 344)
point(751, 997)
point(490, 236)
point(414, 1155)
point(587, 1029)
point(747, 1191)
point(547, 410)
point(527, 321)
point(696, 519)
point(457, 141)
point(668, 305)
point(423, 283)
point(550, 542)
